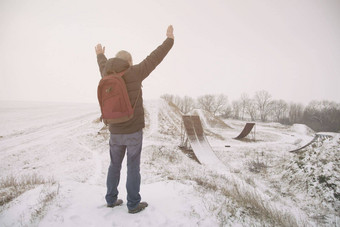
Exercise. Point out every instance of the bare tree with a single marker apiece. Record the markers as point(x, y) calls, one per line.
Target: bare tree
point(221, 104)
point(251, 109)
point(322, 116)
point(206, 102)
point(177, 100)
point(263, 102)
point(213, 103)
point(279, 109)
point(168, 97)
point(244, 101)
point(187, 104)
point(295, 113)
point(236, 108)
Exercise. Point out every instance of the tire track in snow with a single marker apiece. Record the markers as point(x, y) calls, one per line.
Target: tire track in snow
point(24, 138)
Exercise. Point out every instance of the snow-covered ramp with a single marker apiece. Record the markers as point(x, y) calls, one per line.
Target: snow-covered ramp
point(246, 130)
point(317, 137)
point(199, 142)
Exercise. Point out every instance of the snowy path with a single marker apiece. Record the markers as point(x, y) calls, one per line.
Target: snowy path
point(45, 146)
point(83, 206)
point(48, 131)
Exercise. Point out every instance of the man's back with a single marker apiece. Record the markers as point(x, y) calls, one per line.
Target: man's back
point(133, 78)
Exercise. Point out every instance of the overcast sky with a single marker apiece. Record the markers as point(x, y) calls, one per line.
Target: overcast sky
point(289, 48)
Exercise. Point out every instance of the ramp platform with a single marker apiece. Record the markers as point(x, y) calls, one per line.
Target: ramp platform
point(317, 137)
point(246, 130)
point(198, 141)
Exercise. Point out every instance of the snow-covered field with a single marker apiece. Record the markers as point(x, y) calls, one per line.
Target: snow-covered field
point(54, 158)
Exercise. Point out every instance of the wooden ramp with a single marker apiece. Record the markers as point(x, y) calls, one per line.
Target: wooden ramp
point(317, 137)
point(246, 130)
point(198, 141)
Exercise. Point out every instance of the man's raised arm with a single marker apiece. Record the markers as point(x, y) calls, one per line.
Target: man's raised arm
point(101, 59)
point(156, 56)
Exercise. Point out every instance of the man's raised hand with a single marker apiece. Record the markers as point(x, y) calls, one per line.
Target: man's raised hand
point(170, 32)
point(99, 49)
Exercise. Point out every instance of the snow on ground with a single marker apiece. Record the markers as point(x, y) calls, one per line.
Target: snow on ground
point(66, 145)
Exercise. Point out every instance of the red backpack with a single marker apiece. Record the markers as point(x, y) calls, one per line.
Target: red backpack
point(114, 100)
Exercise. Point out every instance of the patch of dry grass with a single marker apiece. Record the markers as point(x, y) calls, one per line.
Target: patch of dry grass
point(11, 186)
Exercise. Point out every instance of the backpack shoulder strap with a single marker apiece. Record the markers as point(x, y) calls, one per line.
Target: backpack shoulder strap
point(134, 105)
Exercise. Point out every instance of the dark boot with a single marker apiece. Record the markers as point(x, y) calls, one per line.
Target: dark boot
point(141, 206)
point(117, 203)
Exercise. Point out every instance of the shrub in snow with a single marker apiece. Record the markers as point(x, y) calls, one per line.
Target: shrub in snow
point(316, 170)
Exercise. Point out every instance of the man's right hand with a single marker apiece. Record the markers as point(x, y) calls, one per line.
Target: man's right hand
point(99, 49)
point(170, 32)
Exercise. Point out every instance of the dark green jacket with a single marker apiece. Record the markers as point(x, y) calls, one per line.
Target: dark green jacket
point(133, 78)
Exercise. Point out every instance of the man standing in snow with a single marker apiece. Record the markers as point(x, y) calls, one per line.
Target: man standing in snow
point(128, 136)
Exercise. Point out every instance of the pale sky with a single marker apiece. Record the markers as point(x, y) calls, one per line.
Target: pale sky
point(289, 48)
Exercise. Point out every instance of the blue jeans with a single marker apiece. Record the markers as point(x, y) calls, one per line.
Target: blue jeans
point(119, 143)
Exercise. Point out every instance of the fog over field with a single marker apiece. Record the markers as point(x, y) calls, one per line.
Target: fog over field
point(290, 49)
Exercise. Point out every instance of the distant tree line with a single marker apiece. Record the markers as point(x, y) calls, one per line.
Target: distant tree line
point(318, 115)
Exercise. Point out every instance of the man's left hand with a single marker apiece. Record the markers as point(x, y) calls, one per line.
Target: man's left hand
point(99, 49)
point(170, 32)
